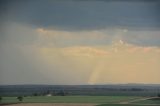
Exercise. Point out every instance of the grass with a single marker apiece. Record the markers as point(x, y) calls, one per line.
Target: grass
point(125, 105)
point(149, 101)
point(70, 99)
point(103, 100)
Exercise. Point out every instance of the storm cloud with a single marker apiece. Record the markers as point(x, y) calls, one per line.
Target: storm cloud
point(83, 15)
point(79, 41)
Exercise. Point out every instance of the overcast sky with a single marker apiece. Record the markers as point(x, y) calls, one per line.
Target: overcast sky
point(79, 41)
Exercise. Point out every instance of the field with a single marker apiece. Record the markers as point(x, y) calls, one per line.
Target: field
point(126, 105)
point(70, 99)
point(79, 101)
point(149, 101)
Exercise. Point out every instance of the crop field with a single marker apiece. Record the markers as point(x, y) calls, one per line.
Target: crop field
point(78, 101)
point(70, 99)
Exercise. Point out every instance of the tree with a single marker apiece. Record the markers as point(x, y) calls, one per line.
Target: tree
point(158, 95)
point(35, 94)
point(20, 98)
point(61, 93)
point(1, 98)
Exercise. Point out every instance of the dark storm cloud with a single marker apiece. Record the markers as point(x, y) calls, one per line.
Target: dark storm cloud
point(73, 15)
point(83, 14)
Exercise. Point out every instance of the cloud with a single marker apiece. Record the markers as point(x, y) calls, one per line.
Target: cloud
point(103, 65)
point(49, 56)
point(18, 34)
point(83, 15)
point(85, 51)
point(95, 34)
point(100, 37)
point(143, 38)
point(68, 38)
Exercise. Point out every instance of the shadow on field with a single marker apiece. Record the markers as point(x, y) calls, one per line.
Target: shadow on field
point(5, 104)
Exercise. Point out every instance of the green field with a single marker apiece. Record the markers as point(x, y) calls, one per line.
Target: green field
point(103, 100)
point(125, 105)
point(70, 99)
point(150, 101)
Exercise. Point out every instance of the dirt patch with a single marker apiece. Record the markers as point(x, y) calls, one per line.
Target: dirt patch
point(51, 104)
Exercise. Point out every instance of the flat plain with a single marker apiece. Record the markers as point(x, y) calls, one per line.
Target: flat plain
point(80, 101)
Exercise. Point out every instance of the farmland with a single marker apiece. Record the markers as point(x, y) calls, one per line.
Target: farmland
point(80, 95)
point(70, 99)
point(78, 101)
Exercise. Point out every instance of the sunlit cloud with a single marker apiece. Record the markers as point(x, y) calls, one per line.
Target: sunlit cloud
point(138, 64)
point(85, 51)
point(66, 57)
point(93, 34)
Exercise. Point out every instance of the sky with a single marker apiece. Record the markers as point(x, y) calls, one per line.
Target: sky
point(76, 42)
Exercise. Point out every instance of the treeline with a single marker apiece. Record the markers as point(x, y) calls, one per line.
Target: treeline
point(51, 93)
point(53, 90)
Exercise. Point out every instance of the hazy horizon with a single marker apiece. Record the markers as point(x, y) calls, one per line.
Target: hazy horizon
point(76, 42)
